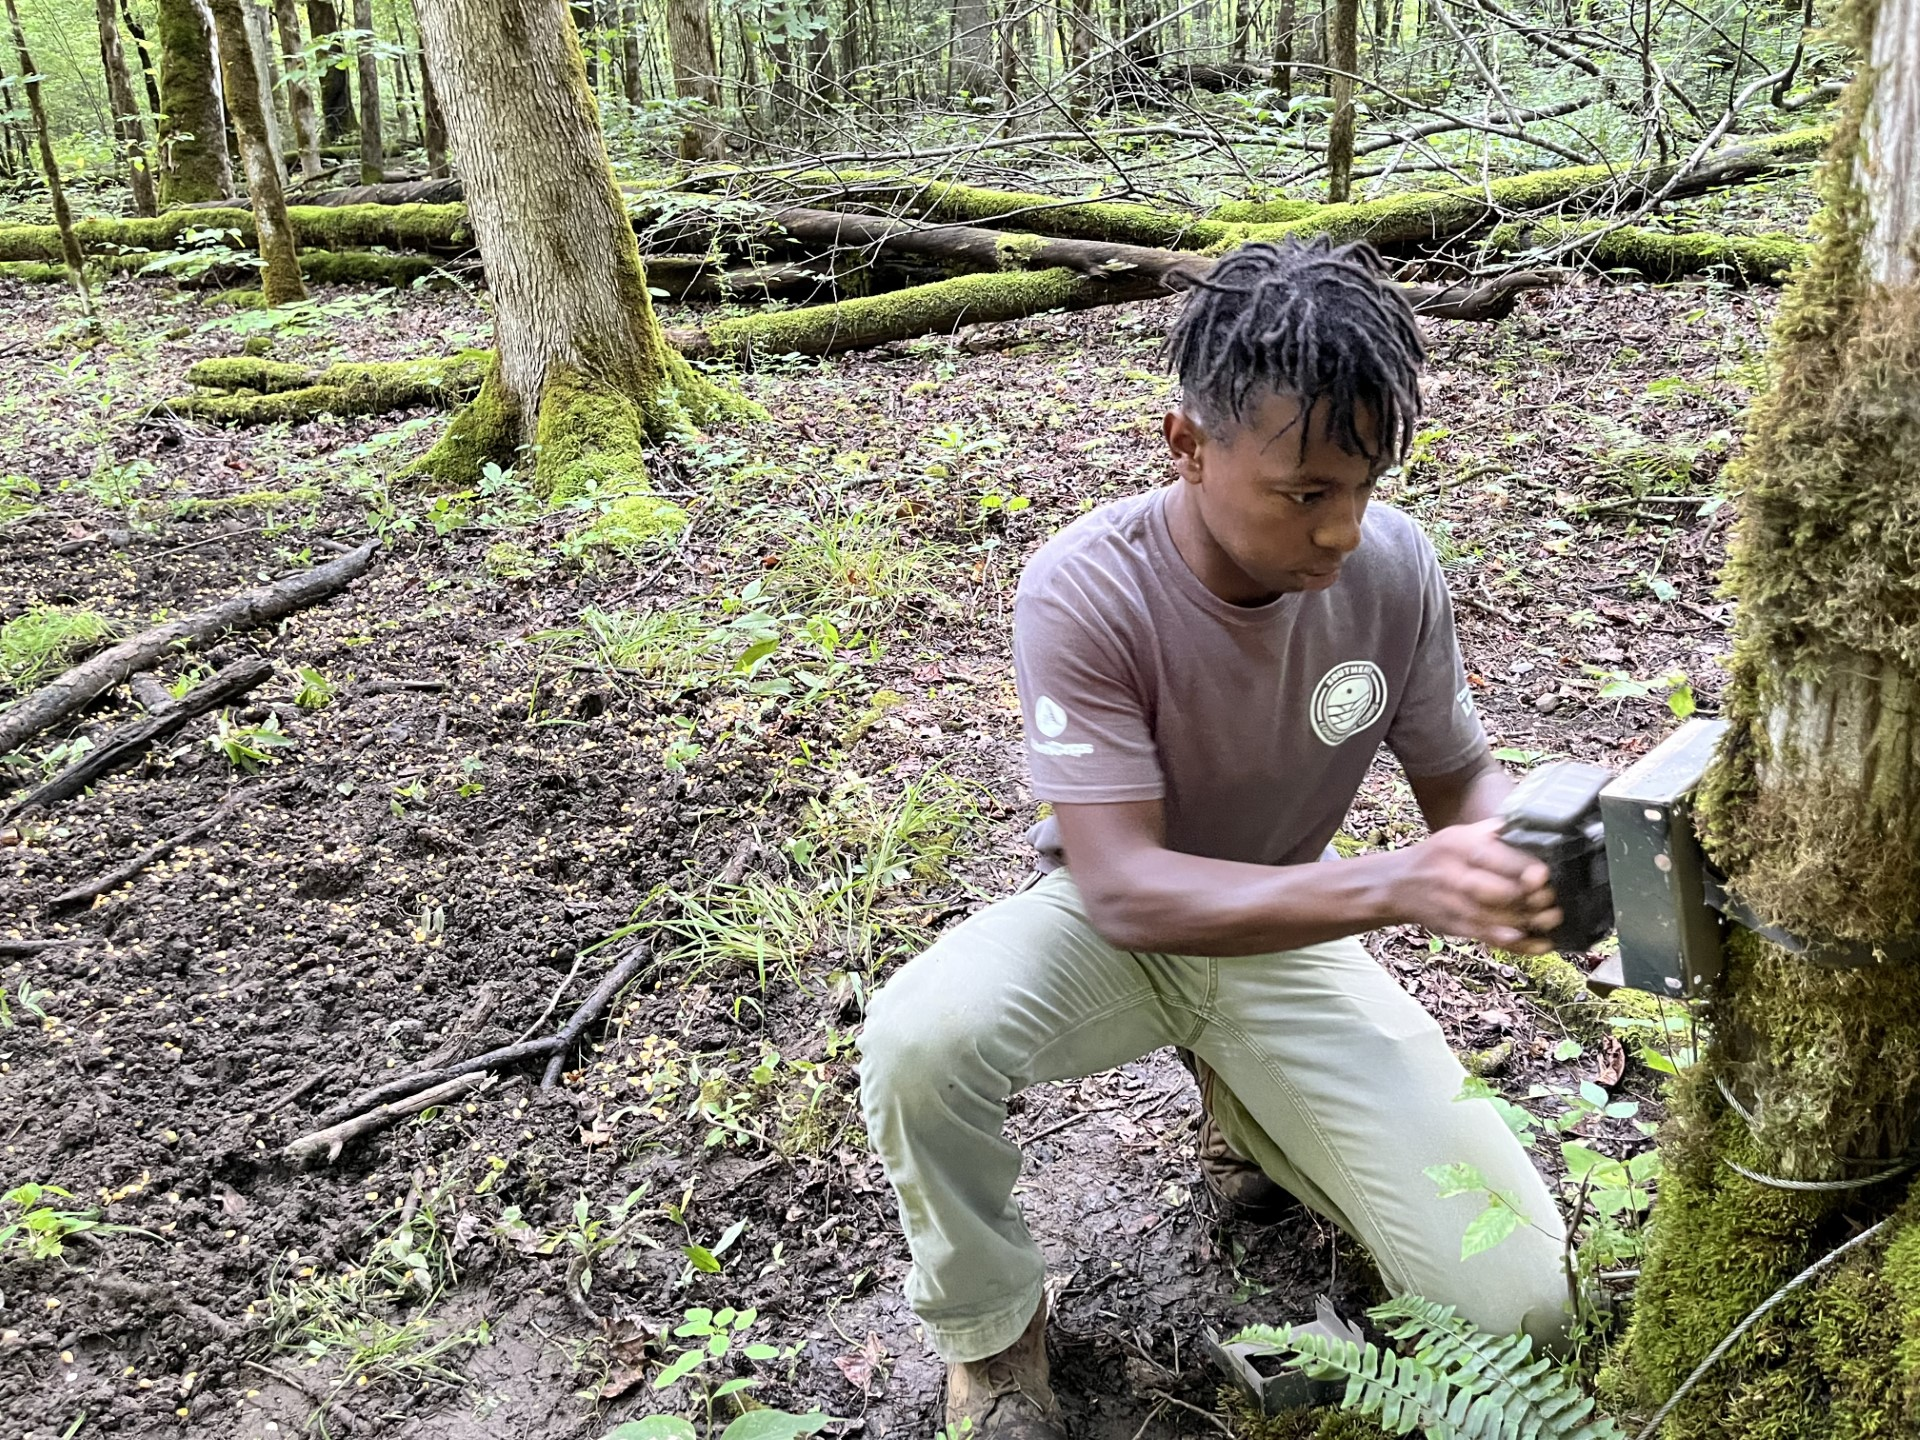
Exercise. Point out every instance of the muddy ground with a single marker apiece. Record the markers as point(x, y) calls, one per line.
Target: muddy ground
point(782, 746)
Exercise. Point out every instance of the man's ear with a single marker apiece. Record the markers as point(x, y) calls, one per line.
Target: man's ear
point(1184, 439)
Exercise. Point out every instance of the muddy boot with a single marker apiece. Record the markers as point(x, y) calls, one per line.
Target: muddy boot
point(1239, 1184)
point(1006, 1396)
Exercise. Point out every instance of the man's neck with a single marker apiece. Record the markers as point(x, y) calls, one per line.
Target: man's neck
point(1211, 565)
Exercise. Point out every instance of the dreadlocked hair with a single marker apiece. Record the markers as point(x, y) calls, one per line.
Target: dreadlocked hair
point(1314, 321)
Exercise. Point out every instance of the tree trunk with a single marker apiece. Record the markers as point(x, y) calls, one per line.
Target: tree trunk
point(1283, 27)
point(373, 146)
point(193, 128)
point(583, 26)
point(62, 217)
point(1344, 37)
point(405, 113)
point(306, 125)
point(280, 280)
point(435, 124)
point(631, 79)
point(265, 69)
point(337, 120)
point(149, 75)
point(582, 373)
point(971, 67)
point(696, 77)
point(1812, 810)
point(127, 126)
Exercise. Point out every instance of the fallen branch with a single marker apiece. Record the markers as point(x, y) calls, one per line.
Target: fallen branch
point(129, 743)
point(328, 1143)
point(1658, 254)
point(554, 1045)
point(92, 678)
point(114, 879)
point(257, 391)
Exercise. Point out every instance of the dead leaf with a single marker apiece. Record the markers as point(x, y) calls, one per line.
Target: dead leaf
point(1499, 1019)
point(865, 1367)
point(1613, 1062)
point(232, 1203)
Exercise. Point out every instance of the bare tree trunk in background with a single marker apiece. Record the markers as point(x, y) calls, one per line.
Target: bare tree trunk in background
point(971, 66)
point(581, 371)
point(149, 76)
point(632, 81)
point(1283, 28)
point(696, 77)
point(127, 126)
point(1242, 29)
point(62, 217)
point(1344, 40)
point(337, 120)
point(1080, 26)
point(373, 146)
point(192, 142)
point(306, 124)
point(1013, 43)
point(434, 122)
point(280, 280)
point(266, 68)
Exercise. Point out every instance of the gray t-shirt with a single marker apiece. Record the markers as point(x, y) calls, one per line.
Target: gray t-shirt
point(1255, 725)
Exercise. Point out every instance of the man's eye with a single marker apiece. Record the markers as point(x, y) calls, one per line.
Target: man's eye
point(1305, 497)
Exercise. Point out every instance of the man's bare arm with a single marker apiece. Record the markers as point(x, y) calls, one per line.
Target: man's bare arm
point(1142, 896)
point(1465, 796)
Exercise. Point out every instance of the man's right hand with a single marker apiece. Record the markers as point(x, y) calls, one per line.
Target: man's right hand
point(1465, 881)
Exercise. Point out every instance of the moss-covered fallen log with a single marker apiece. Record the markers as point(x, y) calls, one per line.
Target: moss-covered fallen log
point(1659, 254)
point(433, 228)
point(1429, 215)
point(244, 390)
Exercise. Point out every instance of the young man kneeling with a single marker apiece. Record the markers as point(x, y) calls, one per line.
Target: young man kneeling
point(1206, 672)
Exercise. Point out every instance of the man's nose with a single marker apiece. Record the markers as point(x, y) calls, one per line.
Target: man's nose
point(1340, 530)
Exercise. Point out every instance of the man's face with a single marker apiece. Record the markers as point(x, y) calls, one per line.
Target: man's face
point(1284, 515)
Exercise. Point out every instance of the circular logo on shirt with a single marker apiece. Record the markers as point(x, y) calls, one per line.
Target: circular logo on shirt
point(1048, 717)
point(1347, 700)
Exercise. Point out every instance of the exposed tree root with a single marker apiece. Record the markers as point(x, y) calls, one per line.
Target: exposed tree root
point(1659, 254)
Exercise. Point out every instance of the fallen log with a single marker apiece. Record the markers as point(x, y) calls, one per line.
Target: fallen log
point(438, 228)
point(1659, 255)
point(253, 391)
point(1428, 215)
point(445, 191)
point(85, 682)
point(130, 742)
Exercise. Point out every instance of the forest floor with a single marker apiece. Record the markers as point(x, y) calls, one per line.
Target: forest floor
point(784, 744)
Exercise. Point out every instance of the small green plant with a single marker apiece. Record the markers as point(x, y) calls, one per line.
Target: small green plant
point(248, 748)
point(1460, 1383)
point(721, 1333)
point(1674, 687)
point(316, 691)
point(19, 497)
point(40, 1228)
point(185, 681)
point(48, 762)
point(43, 639)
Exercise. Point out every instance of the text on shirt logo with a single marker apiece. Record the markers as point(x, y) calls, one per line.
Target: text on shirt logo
point(1348, 699)
point(1050, 719)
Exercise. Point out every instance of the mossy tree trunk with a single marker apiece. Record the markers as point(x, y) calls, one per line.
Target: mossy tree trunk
point(1343, 33)
point(280, 280)
point(128, 128)
point(300, 108)
point(582, 373)
point(194, 166)
point(36, 108)
point(1813, 811)
point(696, 77)
point(373, 157)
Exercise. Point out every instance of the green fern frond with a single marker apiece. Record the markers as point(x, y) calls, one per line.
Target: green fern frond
point(1461, 1383)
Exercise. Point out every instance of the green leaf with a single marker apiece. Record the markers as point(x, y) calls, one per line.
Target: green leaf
point(774, 1425)
point(654, 1427)
point(1457, 1179)
point(734, 1387)
point(1580, 1158)
point(1569, 1049)
point(1489, 1228)
point(725, 1243)
point(702, 1259)
point(689, 1361)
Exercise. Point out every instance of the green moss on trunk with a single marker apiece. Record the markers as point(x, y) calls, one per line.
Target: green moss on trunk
point(1661, 255)
point(484, 431)
point(254, 391)
point(192, 141)
point(432, 228)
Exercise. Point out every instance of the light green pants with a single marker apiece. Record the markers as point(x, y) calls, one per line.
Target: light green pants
point(1342, 1088)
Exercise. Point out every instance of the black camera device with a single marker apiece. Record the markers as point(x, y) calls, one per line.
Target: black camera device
point(1554, 815)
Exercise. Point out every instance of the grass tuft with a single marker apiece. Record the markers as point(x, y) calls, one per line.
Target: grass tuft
point(44, 639)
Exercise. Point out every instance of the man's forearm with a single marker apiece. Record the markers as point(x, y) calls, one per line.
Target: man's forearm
point(1189, 905)
point(1475, 793)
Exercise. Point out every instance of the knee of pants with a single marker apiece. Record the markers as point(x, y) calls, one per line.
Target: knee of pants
point(908, 1048)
